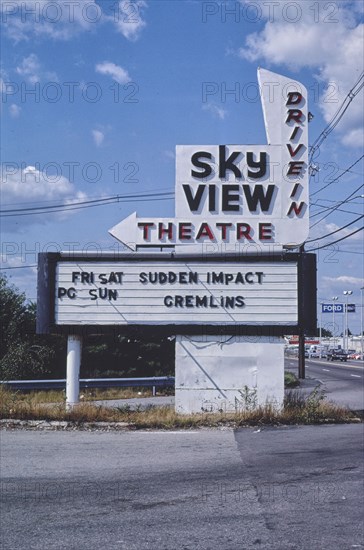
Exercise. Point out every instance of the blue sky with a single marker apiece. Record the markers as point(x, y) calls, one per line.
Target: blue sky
point(119, 84)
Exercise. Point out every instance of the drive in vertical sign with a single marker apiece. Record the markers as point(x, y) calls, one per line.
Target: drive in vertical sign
point(264, 187)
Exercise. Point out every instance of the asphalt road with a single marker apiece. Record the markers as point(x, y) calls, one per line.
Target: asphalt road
point(296, 488)
point(343, 382)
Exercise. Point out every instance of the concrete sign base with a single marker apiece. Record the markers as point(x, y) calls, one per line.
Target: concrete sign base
point(228, 373)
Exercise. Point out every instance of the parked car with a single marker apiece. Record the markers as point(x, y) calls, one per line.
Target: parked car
point(316, 351)
point(337, 355)
point(355, 355)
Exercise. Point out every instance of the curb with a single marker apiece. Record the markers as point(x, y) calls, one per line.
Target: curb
point(56, 425)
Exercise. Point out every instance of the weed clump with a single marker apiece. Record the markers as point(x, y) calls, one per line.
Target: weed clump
point(298, 409)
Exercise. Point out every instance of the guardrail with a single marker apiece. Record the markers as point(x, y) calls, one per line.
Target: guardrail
point(60, 384)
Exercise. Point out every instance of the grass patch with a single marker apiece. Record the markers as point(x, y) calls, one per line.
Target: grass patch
point(123, 393)
point(291, 380)
point(298, 409)
point(59, 396)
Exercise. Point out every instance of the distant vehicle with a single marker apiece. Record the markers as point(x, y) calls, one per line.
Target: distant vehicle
point(312, 355)
point(316, 351)
point(355, 355)
point(291, 350)
point(337, 355)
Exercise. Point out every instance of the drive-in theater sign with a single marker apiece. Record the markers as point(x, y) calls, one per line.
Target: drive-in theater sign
point(228, 310)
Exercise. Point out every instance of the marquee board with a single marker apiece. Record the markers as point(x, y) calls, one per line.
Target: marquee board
point(173, 291)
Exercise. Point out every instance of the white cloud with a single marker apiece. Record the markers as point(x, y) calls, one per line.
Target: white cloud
point(30, 187)
point(64, 19)
point(335, 232)
point(354, 138)
point(215, 110)
point(345, 280)
point(345, 232)
point(128, 19)
point(3, 88)
point(328, 41)
point(61, 20)
point(29, 183)
point(29, 68)
point(169, 154)
point(116, 72)
point(98, 137)
point(14, 110)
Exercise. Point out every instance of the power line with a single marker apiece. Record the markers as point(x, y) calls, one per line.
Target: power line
point(349, 252)
point(18, 267)
point(338, 210)
point(86, 204)
point(35, 208)
point(333, 208)
point(70, 198)
point(337, 116)
point(83, 207)
point(337, 241)
point(100, 200)
point(336, 230)
point(332, 200)
point(336, 179)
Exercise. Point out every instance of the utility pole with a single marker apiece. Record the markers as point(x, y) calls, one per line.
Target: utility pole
point(301, 330)
point(333, 318)
point(361, 320)
point(347, 293)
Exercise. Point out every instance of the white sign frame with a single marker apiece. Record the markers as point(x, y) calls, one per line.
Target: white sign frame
point(240, 194)
point(259, 282)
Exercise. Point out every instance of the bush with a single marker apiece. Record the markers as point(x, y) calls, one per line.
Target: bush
point(290, 380)
point(24, 354)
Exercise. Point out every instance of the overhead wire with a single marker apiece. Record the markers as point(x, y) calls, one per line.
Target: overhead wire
point(18, 267)
point(341, 251)
point(336, 230)
point(86, 204)
point(337, 241)
point(337, 116)
point(49, 201)
point(333, 208)
point(336, 179)
point(317, 143)
point(323, 206)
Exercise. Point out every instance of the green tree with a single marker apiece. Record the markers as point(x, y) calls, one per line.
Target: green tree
point(127, 356)
point(324, 332)
point(23, 354)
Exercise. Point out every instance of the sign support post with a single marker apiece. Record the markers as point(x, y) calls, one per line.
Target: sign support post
point(301, 355)
point(301, 333)
point(74, 348)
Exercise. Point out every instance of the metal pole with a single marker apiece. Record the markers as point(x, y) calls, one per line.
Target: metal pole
point(346, 325)
point(301, 355)
point(346, 293)
point(361, 321)
point(333, 319)
point(74, 347)
point(333, 324)
point(320, 336)
point(301, 329)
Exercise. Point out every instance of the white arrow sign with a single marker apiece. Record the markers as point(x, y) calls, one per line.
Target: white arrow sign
point(134, 231)
point(240, 193)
